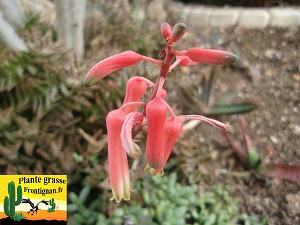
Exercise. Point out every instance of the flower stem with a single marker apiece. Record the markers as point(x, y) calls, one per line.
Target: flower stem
point(213, 122)
point(155, 61)
point(142, 104)
point(164, 70)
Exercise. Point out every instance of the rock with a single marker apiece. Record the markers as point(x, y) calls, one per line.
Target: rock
point(274, 139)
point(273, 54)
point(293, 200)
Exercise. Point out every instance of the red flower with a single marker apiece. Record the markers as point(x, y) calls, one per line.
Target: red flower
point(172, 130)
point(135, 89)
point(156, 113)
point(117, 159)
point(109, 65)
point(211, 56)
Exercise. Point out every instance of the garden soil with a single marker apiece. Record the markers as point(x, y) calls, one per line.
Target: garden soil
point(268, 74)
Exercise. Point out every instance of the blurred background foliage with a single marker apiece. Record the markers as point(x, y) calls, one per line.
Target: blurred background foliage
point(246, 3)
point(161, 201)
point(51, 124)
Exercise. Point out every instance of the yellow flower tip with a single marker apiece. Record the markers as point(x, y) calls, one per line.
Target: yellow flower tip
point(126, 194)
point(112, 198)
point(118, 198)
point(153, 171)
point(123, 193)
point(136, 151)
point(228, 127)
point(160, 173)
point(148, 168)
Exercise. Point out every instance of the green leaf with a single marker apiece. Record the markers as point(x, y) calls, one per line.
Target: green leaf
point(236, 108)
point(254, 160)
point(84, 193)
point(209, 90)
point(226, 97)
point(187, 99)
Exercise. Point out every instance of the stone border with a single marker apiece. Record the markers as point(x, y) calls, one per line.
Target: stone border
point(225, 17)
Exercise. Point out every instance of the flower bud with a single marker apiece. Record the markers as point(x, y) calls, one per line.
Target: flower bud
point(109, 65)
point(210, 56)
point(165, 30)
point(163, 94)
point(177, 32)
point(156, 113)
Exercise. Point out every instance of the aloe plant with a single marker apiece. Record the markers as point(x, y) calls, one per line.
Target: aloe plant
point(203, 98)
point(251, 159)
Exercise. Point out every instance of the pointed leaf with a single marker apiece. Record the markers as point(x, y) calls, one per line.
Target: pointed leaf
point(232, 108)
point(187, 99)
point(210, 85)
point(226, 97)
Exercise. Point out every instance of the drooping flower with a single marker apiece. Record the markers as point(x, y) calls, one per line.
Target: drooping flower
point(172, 130)
point(156, 113)
point(117, 158)
point(111, 64)
point(135, 89)
point(114, 63)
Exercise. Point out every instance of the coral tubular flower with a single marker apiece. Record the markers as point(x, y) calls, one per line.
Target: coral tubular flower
point(117, 159)
point(135, 89)
point(156, 113)
point(111, 64)
point(172, 130)
point(210, 56)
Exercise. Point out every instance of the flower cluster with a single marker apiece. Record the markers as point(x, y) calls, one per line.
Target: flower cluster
point(155, 115)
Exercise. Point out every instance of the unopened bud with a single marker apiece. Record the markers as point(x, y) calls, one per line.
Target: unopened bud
point(165, 30)
point(111, 64)
point(177, 32)
point(210, 56)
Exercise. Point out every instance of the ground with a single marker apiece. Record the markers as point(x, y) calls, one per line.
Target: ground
point(270, 72)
